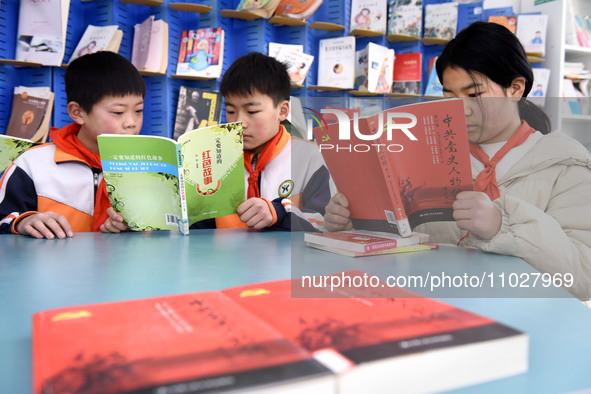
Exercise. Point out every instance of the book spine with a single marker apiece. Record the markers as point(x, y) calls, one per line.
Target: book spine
point(399, 215)
point(379, 246)
point(184, 220)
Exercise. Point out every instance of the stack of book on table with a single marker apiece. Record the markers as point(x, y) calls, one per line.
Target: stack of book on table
point(358, 243)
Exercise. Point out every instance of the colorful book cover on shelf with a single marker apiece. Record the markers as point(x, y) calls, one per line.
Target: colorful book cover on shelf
point(364, 241)
point(30, 113)
point(196, 108)
point(510, 22)
point(369, 15)
point(298, 64)
point(336, 62)
point(259, 337)
point(537, 95)
point(410, 175)
point(405, 17)
point(156, 183)
point(398, 249)
point(468, 13)
point(299, 9)
point(263, 8)
point(441, 20)
point(98, 38)
point(407, 73)
point(10, 149)
point(157, 60)
point(201, 53)
point(41, 31)
point(373, 68)
point(276, 47)
point(531, 31)
point(434, 87)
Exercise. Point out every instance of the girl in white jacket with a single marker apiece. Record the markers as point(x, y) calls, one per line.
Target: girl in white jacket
point(532, 187)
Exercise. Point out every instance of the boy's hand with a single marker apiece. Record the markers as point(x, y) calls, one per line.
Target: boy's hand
point(475, 212)
point(337, 214)
point(255, 213)
point(45, 225)
point(114, 223)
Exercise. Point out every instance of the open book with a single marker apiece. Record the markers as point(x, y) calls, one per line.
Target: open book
point(406, 168)
point(10, 149)
point(156, 183)
point(258, 338)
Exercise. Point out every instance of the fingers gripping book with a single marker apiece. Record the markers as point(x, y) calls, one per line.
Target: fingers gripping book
point(157, 183)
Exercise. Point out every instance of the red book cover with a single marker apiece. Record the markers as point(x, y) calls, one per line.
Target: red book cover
point(362, 241)
point(396, 181)
point(407, 73)
point(201, 340)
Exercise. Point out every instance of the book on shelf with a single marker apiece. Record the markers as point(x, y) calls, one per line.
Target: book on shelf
point(98, 38)
point(434, 87)
point(537, 95)
point(401, 167)
point(441, 21)
point(298, 9)
point(572, 97)
point(399, 249)
point(405, 18)
point(369, 15)
point(150, 45)
point(260, 338)
point(298, 64)
point(531, 31)
point(468, 13)
point(196, 108)
point(10, 149)
point(510, 22)
point(406, 78)
point(373, 68)
point(157, 183)
point(275, 47)
point(41, 31)
point(363, 240)
point(336, 62)
point(262, 8)
point(30, 115)
point(201, 53)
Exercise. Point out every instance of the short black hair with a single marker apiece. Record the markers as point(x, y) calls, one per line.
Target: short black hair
point(91, 77)
point(257, 72)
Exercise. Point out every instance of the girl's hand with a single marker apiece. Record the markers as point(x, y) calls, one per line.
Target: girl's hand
point(337, 214)
point(475, 212)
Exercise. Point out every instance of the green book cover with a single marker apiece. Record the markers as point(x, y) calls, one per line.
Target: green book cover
point(10, 149)
point(156, 183)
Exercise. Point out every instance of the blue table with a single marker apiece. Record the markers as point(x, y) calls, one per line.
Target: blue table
point(92, 268)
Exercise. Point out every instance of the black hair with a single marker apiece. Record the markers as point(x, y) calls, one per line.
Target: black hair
point(257, 72)
point(91, 77)
point(494, 51)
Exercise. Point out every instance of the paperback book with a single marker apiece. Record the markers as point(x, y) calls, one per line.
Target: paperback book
point(150, 45)
point(364, 241)
point(10, 149)
point(98, 38)
point(31, 113)
point(441, 22)
point(298, 64)
point(373, 68)
point(368, 15)
point(400, 167)
point(262, 8)
point(298, 9)
point(405, 18)
point(434, 87)
point(260, 338)
point(201, 53)
point(531, 31)
point(537, 94)
point(157, 183)
point(406, 79)
point(196, 108)
point(399, 249)
point(41, 31)
point(336, 62)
